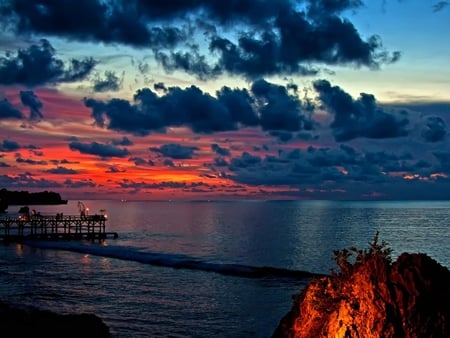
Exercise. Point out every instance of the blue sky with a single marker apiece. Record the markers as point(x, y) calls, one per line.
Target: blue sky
point(248, 99)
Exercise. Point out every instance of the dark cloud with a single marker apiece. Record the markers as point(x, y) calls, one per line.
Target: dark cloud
point(78, 69)
point(38, 65)
point(141, 161)
point(175, 151)
point(86, 20)
point(335, 169)
point(26, 181)
point(30, 161)
point(435, 129)
point(7, 111)
point(129, 184)
point(199, 110)
point(62, 171)
point(443, 157)
point(282, 136)
point(190, 62)
point(79, 184)
point(121, 114)
point(111, 82)
point(267, 105)
point(219, 150)
point(98, 149)
point(244, 161)
point(30, 100)
point(239, 103)
point(168, 163)
point(359, 118)
point(220, 162)
point(320, 7)
point(278, 109)
point(8, 146)
point(269, 37)
point(114, 169)
point(290, 45)
point(124, 141)
point(222, 12)
point(190, 106)
point(160, 86)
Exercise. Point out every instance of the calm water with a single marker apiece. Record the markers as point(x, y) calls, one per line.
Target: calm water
point(174, 270)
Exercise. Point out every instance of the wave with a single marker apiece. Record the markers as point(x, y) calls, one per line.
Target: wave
point(176, 261)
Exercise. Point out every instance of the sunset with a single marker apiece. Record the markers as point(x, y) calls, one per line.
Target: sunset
point(225, 168)
point(198, 100)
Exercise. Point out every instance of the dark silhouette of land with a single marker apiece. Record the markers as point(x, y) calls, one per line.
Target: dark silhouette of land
point(8, 198)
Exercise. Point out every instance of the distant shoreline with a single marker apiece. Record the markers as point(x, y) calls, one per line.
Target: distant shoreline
point(8, 198)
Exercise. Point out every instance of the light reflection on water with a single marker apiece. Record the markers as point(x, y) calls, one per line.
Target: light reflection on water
point(297, 235)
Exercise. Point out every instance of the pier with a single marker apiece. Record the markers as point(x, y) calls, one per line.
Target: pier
point(55, 227)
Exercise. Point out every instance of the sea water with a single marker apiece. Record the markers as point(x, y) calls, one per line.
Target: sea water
point(207, 269)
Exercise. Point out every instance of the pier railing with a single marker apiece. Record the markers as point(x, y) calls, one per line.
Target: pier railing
point(54, 227)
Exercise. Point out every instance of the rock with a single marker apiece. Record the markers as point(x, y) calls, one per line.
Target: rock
point(373, 297)
point(30, 322)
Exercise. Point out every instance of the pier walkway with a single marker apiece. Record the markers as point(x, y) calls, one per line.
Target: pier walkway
point(55, 227)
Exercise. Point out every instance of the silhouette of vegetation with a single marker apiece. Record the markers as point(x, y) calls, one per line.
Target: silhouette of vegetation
point(26, 198)
point(376, 249)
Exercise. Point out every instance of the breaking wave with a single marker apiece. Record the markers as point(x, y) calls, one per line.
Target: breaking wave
point(176, 261)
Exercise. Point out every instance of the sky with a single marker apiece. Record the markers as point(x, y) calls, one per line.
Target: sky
point(223, 100)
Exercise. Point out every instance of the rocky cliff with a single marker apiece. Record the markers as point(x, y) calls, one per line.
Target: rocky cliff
point(373, 297)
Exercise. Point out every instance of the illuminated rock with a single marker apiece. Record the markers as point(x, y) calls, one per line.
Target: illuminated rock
point(373, 297)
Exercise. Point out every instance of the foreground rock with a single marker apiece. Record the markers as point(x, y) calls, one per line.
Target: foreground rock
point(372, 297)
point(15, 322)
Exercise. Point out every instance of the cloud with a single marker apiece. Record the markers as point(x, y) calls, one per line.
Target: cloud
point(111, 82)
point(252, 38)
point(7, 111)
point(141, 161)
point(26, 181)
point(359, 118)
point(279, 110)
point(98, 149)
point(38, 65)
point(335, 169)
point(8, 146)
point(124, 22)
point(288, 42)
point(219, 150)
point(136, 186)
point(30, 100)
point(62, 171)
point(267, 105)
point(440, 5)
point(124, 141)
point(435, 129)
point(114, 169)
point(30, 161)
point(79, 184)
point(175, 151)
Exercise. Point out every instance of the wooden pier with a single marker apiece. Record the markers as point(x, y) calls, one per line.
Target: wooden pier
point(55, 227)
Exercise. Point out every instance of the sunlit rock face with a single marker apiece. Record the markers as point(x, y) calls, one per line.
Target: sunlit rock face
point(374, 298)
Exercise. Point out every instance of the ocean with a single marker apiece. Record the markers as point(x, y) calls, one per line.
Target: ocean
point(207, 269)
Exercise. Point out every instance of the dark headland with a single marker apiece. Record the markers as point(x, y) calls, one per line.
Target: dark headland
point(8, 198)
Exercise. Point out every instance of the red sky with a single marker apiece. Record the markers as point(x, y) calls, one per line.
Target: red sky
point(300, 100)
